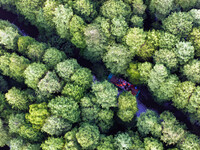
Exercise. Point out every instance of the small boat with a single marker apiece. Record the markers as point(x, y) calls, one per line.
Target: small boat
point(123, 84)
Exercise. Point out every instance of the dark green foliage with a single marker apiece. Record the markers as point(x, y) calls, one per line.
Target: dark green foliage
point(66, 108)
point(52, 57)
point(105, 93)
point(3, 84)
point(137, 21)
point(127, 106)
point(33, 73)
point(106, 142)
point(23, 43)
point(194, 38)
point(15, 122)
point(5, 137)
point(88, 136)
point(186, 4)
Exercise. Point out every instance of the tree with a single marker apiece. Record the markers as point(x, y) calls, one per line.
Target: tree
point(182, 94)
point(186, 4)
point(127, 105)
point(105, 93)
point(86, 9)
point(178, 23)
point(15, 122)
point(63, 15)
point(56, 126)
point(37, 115)
point(23, 43)
point(52, 57)
point(135, 38)
point(50, 83)
point(112, 61)
point(17, 98)
point(33, 73)
point(106, 142)
point(152, 143)
point(53, 143)
point(191, 71)
point(193, 38)
point(149, 124)
point(82, 77)
point(168, 58)
point(3, 84)
point(115, 8)
point(5, 137)
point(66, 108)
point(137, 21)
point(139, 8)
point(161, 8)
point(123, 141)
point(75, 92)
point(184, 52)
point(195, 15)
point(88, 136)
point(67, 68)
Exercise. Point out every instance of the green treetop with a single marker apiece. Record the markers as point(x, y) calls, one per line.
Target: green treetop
point(127, 106)
point(66, 108)
point(152, 144)
point(186, 4)
point(105, 93)
point(88, 136)
point(53, 143)
point(106, 142)
point(123, 141)
point(194, 39)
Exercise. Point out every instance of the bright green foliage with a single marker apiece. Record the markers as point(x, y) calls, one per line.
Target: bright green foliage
point(17, 98)
point(127, 105)
point(88, 136)
point(161, 8)
point(63, 15)
point(8, 35)
point(145, 52)
point(112, 61)
point(194, 38)
point(195, 13)
point(4, 135)
point(105, 93)
point(33, 73)
point(153, 38)
point(152, 144)
point(71, 141)
point(172, 130)
point(137, 21)
point(168, 40)
point(95, 41)
point(105, 119)
point(67, 68)
point(37, 115)
point(17, 66)
point(106, 142)
point(56, 126)
point(178, 23)
point(182, 94)
point(29, 8)
point(53, 143)
point(86, 9)
point(50, 83)
point(184, 51)
point(186, 4)
point(139, 7)
point(16, 143)
point(82, 77)
point(31, 134)
point(77, 24)
point(192, 71)
point(149, 123)
point(15, 122)
point(73, 91)
point(65, 107)
point(78, 40)
point(23, 43)
point(166, 57)
point(89, 110)
point(36, 50)
point(123, 141)
point(193, 104)
point(52, 57)
point(138, 73)
point(135, 38)
point(190, 142)
point(115, 8)
point(119, 26)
